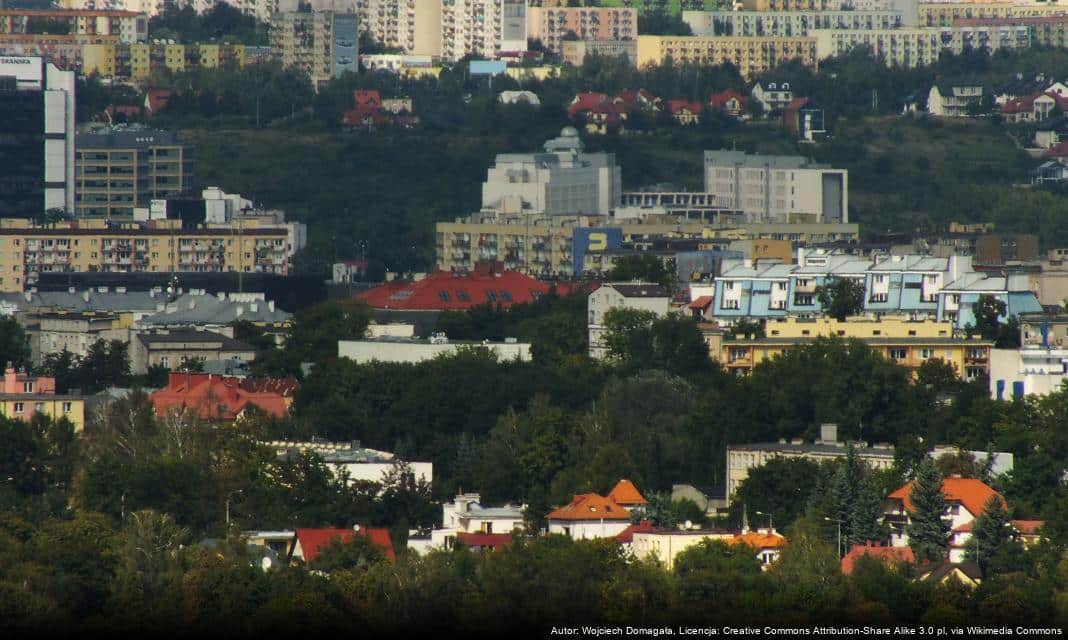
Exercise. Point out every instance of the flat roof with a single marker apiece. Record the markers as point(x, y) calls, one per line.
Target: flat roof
point(814, 447)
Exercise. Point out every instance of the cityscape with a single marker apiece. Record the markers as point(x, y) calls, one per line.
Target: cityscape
point(533, 317)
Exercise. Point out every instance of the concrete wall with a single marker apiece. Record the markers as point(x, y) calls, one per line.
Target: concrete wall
point(363, 351)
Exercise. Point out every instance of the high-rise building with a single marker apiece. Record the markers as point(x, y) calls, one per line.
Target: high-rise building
point(322, 44)
point(120, 169)
point(413, 26)
point(36, 137)
point(484, 28)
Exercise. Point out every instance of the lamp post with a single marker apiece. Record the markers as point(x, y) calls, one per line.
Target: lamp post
point(228, 497)
point(839, 523)
point(771, 521)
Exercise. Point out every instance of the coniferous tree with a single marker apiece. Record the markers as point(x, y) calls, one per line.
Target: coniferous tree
point(866, 512)
point(928, 531)
point(843, 491)
point(990, 534)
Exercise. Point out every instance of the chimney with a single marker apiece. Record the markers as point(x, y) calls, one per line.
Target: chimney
point(828, 433)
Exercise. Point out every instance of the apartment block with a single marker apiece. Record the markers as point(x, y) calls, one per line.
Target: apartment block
point(1045, 31)
point(129, 26)
point(574, 52)
point(159, 246)
point(789, 23)
point(777, 188)
point(483, 28)
point(411, 25)
point(138, 61)
point(946, 14)
point(120, 169)
point(321, 44)
point(907, 342)
point(629, 295)
point(752, 56)
point(552, 25)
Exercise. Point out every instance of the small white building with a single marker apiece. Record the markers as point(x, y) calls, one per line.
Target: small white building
point(589, 516)
point(647, 297)
point(666, 546)
point(957, 100)
point(1031, 370)
point(412, 350)
point(772, 94)
point(965, 500)
point(466, 515)
point(358, 463)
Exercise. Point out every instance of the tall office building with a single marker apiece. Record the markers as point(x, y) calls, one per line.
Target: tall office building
point(120, 169)
point(484, 28)
point(36, 137)
point(322, 44)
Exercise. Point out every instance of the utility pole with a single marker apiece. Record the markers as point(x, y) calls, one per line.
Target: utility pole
point(839, 523)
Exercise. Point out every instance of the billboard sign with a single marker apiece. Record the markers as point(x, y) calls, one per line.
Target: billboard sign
point(344, 53)
point(590, 240)
point(28, 71)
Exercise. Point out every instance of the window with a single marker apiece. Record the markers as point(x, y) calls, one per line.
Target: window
point(27, 387)
point(165, 362)
point(443, 295)
point(66, 407)
point(19, 407)
point(878, 297)
point(803, 299)
point(732, 304)
point(38, 407)
point(926, 353)
point(897, 354)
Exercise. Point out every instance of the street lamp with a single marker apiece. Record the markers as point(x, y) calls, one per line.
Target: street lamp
point(839, 523)
point(771, 521)
point(228, 497)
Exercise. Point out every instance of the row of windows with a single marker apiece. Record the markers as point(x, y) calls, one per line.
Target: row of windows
point(20, 407)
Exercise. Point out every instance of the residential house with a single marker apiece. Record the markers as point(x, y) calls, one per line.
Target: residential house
point(646, 297)
point(1058, 151)
point(772, 95)
point(891, 557)
point(356, 463)
point(218, 314)
point(72, 331)
point(307, 544)
point(966, 573)
point(1037, 107)
point(684, 112)
point(211, 397)
point(1032, 370)
point(804, 118)
point(519, 97)
point(631, 100)
point(966, 498)
point(24, 395)
point(170, 348)
point(729, 102)
point(955, 99)
point(465, 517)
point(626, 495)
point(367, 110)
point(589, 516)
point(666, 546)
point(741, 458)
point(1051, 132)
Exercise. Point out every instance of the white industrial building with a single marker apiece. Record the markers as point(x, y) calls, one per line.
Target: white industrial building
point(781, 189)
point(412, 350)
point(1029, 371)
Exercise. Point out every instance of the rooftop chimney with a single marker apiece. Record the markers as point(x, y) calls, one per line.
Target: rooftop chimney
point(828, 432)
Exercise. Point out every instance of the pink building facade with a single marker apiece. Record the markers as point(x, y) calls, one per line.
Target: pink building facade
point(552, 24)
point(19, 382)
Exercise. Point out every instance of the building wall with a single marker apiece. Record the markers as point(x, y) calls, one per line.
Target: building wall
point(363, 351)
point(552, 24)
point(945, 14)
point(113, 180)
point(752, 56)
point(588, 530)
point(777, 189)
point(376, 471)
point(308, 43)
point(24, 408)
point(606, 298)
point(574, 52)
point(740, 461)
point(788, 24)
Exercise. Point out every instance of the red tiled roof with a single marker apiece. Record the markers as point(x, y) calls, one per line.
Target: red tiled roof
point(886, 555)
point(626, 536)
point(1028, 527)
point(675, 106)
point(313, 541)
point(285, 387)
point(448, 291)
point(1026, 104)
point(720, 100)
point(491, 540)
point(700, 303)
point(969, 492)
point(215, 397)
point(585, 102)
point(626, 494)
point(628, 98)
point(758, 540)
point(590, 506)
point(367, 98)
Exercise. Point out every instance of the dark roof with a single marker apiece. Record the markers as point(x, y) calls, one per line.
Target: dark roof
point(969, 569)
point(640, 290)
point(192, 335)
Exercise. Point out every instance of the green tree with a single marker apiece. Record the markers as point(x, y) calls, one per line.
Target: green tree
point(317, 329)
point(643, 268)
point(14, 343)
point(991, 534)
point(928, 530)
point(356, 553)
point(781, 487)
point(867, 512)
point(841, 297)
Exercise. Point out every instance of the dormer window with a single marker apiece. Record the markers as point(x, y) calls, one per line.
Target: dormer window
point(786, 86)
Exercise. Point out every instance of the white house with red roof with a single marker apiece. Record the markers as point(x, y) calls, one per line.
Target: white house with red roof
point(307, 544)
point(467, 520)
point(589, 516)
point(1036, 107)
point(728, 101)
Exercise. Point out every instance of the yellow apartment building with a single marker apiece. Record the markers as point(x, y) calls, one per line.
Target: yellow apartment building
point(138, 61)
point(158, 246)
point(752, 55)
point(23, 406)
point(909, 343)
point(937, 14)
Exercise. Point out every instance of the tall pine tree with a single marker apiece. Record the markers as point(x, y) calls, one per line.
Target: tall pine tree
point(867, 511)
point(991, 533)
point(929, 530)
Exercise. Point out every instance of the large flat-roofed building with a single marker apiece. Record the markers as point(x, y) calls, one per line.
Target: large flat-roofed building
point(414, 27)
point(36, 137)
point(320, 44)
point(129, 26)
point(120, 169)
point(562, 180)
point(138, 61)
point(1045, 31)
point(554, 25)
point(158, 246)
point(789, 23)
point(752, 56)
point(916, 47)
point(743, 457)
point(945, 14)
point(574, 52)
point(777, 188)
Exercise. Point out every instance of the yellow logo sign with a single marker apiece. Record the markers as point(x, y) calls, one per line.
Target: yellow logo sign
point(598, 241)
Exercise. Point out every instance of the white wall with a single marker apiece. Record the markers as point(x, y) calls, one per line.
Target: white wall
point(375, 471)
point(583, 530)
point(363, 351)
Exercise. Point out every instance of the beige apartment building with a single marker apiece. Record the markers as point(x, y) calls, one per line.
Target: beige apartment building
point(922, 47)
point(157, 246)
point(551, 25)
point(138, 61)
point(752, 56)
point(574, 52)
point(411, 25)
point(128, 26)
point(945, 14)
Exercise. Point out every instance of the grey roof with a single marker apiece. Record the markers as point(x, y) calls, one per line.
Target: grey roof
point(911, 263)
point(125, 138)
point(814, 447)
point(476, 510)
point(758, 270)
point(89, 300)
point(181, 336)
point(724, 157)
point(640, 290)
point(975, 281)
point(205, 309)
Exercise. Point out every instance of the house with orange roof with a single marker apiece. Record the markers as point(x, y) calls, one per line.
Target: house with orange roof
point(667, 545)
point(965, 500)
point(211, 397)
point(889, 556)
point(307, 544)
point(589, 516)
point(626, 495)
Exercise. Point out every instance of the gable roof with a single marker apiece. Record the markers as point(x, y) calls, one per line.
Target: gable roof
point(592, 507)
point(886, 555)
point(626, 494)
point(214, 397)
point(367, 97)
point(969, 570)
point(720, 100)
point(639, 290)
point(675, 106)
point(759, 540)
point(1028, 527)
point(585, 102)
point(313, 541)
point(969, 492)
point(447, 290)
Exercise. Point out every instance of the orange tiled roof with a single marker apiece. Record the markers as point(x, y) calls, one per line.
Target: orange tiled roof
point(886, 555)
point(626, 494)
point(971, 493)
point(592, 507)
point(1028, 527)
point(759, 540)
point(214, 397)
